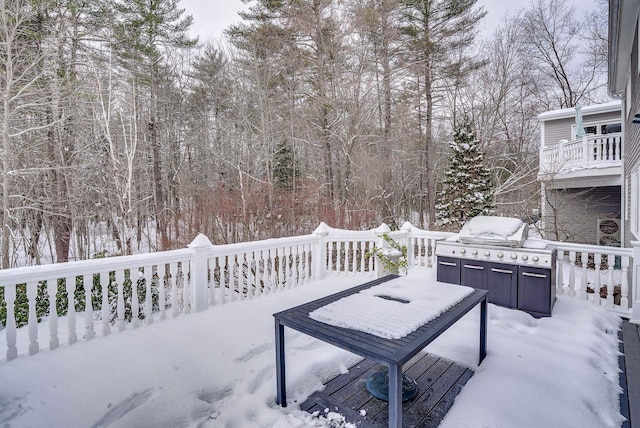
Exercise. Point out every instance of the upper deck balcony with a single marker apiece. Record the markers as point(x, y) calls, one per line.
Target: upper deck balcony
point(593, 160)
point(590, 158)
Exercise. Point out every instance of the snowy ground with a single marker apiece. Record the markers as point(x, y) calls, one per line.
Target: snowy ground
point(217, 369)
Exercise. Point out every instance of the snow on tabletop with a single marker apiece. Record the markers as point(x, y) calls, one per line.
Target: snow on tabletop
point(373, 310)
point(503, 226)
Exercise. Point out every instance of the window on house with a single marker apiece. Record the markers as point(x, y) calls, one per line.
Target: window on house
point(599, 128)
point(610, 128)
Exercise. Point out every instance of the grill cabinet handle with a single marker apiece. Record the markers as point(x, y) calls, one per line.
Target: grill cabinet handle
point(447, 264)
point(474, 267)
point(501, 270)
point(533, 275)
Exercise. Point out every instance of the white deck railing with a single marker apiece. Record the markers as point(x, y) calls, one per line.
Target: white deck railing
point(601, 275)
point(589, 152)
point(95, 297)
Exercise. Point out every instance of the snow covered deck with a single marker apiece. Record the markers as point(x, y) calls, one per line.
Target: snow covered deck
point(217, 368)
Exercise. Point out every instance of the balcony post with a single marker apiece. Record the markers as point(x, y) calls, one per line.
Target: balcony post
point(200, 272)
point(320, 252)
point(585, 149)
point(635, 281)
point(380, 243)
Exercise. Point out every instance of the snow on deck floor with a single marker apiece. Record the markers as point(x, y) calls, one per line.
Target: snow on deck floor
point(217, 369)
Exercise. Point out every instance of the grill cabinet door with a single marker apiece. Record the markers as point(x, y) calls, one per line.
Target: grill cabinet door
point(536, 292)
point(502, 283)
point(473, 274)
point(448, 270)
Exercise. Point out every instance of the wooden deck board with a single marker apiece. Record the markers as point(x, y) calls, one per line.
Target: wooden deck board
point(631, 367)
point(439, 382)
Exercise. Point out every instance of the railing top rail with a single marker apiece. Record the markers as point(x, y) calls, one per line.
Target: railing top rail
point(84, 267)
point(417, 233)
point(587, 248)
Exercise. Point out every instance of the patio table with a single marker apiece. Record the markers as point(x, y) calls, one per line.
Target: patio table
point(392, 353)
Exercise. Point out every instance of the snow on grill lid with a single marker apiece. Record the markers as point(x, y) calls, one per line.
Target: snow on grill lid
point(491, 230)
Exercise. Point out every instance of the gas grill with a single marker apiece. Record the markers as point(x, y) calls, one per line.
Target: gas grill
point(493, 253)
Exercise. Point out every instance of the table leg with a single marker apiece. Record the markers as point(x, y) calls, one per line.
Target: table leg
point(281, 395)
point(483, 330)
point(395, 396)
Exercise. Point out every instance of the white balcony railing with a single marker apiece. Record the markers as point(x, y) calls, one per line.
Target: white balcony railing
point(592, 151)
point(97, 297)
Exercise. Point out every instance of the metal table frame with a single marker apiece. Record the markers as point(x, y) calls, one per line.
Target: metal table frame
point(392, 353)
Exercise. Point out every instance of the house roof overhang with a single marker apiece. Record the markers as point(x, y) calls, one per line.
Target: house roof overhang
point(563, 113)
point(623, 15)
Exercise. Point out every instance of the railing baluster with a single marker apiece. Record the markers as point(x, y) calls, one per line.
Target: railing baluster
point(248, 275)
point(105, 311)
point(52, 290)
point(596, 285)
point(162, 295)
point(135, 275)
point(582, 286)
point(560, 273)
point(344, 257)
point(431, 252)
point(331, 260)
point(286, 278)
point(258, 260)
point(624, 287)
point(354, 258)
point(371, 261)
point(291, 263)
point(185, 286)
point(119, 282)
point(214, 272)
point(32, 292)
point(237, 282)
point(10, 327)
point(302, 265)
point(278, 268)
point(249, 278)
point(268, 274)
point(230, 277)
point(87, 284)
point(572, 273)
point(610, 284)
point(70, 286)
point(148, 295)
point(294, 265)
point(173, 289)
point(307, 263)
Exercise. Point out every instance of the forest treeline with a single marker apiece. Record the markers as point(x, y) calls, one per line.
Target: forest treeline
point(115, 119)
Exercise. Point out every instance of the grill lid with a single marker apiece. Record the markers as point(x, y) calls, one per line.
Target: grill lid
point(493, 230)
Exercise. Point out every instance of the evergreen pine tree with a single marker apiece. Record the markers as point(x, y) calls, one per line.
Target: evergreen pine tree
point(466, 189)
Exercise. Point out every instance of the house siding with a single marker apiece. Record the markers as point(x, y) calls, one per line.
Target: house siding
point(572, 214)
point(632, 138)
point(556, 130)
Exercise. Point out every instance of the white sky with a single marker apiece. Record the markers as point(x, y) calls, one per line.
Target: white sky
point(211, 17)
